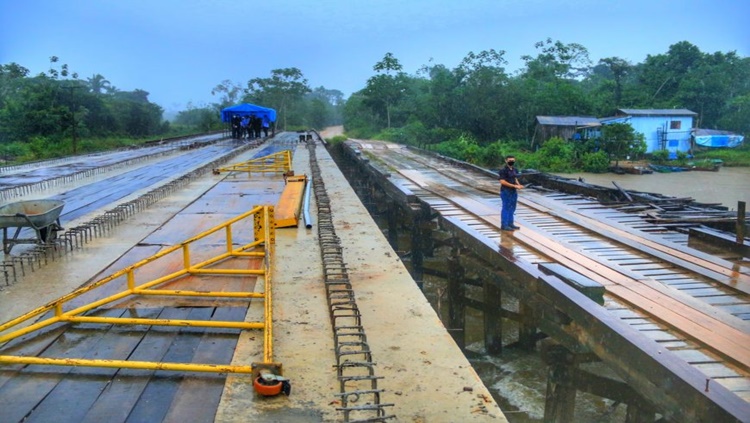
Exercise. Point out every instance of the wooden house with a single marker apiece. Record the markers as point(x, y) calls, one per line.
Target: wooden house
point(565, 127)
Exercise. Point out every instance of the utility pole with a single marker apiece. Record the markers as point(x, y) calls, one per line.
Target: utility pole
point(73, 117)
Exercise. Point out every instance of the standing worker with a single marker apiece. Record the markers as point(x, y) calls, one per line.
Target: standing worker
point(509, 187)
point(266, 124)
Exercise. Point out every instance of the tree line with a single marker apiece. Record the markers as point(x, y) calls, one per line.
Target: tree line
point(56, 112)
point(298, 106)
point(477, 110)
point(480, 107)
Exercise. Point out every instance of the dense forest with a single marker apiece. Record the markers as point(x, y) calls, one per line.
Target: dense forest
point(477, 111)
point(480, 107)
point(56, 113)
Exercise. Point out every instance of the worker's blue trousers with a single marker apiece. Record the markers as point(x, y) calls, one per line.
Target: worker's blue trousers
point(509, 198)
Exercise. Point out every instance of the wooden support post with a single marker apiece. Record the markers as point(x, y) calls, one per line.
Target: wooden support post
point(417, 254)
point(392, 216)
point(456, 318)
point(493, 324)
point(637, 414)
point(560, 402)
point(559, 405)
point(526, 329)
point(741, 222)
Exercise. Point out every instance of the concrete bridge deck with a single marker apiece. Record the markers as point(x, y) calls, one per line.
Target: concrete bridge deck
point(424, 373)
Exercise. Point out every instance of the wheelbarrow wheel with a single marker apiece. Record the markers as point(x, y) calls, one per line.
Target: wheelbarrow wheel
point(48, 234)
point(7, 246)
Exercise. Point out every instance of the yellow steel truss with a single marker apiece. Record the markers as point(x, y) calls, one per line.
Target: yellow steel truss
point(280, 162)
point(264, 237)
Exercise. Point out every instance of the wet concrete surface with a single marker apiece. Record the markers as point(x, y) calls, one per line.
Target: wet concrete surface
point(426, 375)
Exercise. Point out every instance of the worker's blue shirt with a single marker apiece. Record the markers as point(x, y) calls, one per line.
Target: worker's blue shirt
point(509, 174)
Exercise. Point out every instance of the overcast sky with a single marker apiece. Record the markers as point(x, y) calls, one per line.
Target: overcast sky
point(179, 50)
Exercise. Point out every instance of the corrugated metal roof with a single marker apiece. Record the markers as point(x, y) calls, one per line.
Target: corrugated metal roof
point(616, 119)
point(657, 112)
point(568, 120)
point(703, 131)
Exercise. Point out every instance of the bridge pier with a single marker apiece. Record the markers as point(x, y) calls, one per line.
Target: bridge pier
point(527, 335)
point(493, 324)
point(456, 305)
point(392, 215)
point(421, 229)
point(565, 377)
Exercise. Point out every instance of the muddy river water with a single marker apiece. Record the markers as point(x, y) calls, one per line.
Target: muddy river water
point(727, 186)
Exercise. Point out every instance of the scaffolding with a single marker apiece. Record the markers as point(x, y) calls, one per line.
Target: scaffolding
point(65, 310)
point(280, 162)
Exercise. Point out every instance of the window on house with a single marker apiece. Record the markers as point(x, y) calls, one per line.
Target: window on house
point(675, 124)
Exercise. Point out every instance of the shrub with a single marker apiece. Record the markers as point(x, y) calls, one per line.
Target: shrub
point(556, 155)
point(660, 156)
point(337, 139)
point(595, 162)
point(491, 155)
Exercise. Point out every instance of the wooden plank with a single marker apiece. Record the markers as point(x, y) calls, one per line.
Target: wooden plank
point(27, 389)
point(80, 388)
point(687, 258)
point(694, 356)
point(710, 326)
point(29, 345)
point(197, 397)
point(116, 401)
point(287, 210)
point(734, 383)
point(668, 298)
point(713, 370)
point(588, 287)
point(157, 397)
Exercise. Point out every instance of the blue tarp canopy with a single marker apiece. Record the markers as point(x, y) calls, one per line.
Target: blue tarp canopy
point(247, 109)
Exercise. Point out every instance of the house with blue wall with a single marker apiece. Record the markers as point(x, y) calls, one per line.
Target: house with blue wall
point(663, 129)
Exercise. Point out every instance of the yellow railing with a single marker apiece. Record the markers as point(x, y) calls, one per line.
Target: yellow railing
point(264, 238)
point(280, 162)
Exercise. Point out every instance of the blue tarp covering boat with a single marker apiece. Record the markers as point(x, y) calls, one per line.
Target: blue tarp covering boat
point(716, 138)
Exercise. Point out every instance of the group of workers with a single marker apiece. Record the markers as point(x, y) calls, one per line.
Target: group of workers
point(250, 126)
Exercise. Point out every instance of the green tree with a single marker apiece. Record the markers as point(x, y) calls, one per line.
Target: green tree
point(324, 107)
point(228, 92)
point(98, 83)
point(281, 91)
point(661, 74)
point(557, 60)
point(201, 118)
point(437, 98)
point(621, 140)
point(387, 88)
point(483, 94)
point(737, 115)
point(619, 69)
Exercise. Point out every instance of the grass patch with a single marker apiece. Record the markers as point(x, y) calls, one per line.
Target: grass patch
point(739, 156)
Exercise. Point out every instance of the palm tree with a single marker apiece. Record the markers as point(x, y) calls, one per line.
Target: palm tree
point(99, 83)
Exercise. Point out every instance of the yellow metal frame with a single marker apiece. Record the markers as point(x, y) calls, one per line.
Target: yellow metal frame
point(264, 235)
point(280, 162)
